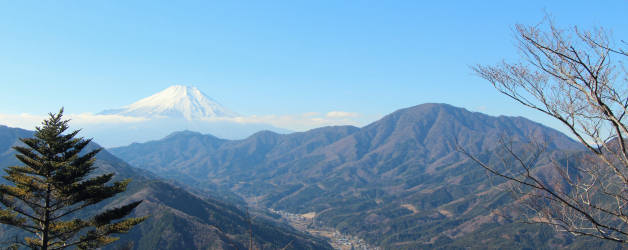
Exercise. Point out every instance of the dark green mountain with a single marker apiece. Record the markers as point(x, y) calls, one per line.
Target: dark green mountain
point(178, 218)
point(398, 182)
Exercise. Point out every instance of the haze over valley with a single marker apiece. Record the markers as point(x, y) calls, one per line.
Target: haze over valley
point(399, 182)
point(313, 125)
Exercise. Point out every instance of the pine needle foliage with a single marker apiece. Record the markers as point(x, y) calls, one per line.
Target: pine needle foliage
point(53, 184)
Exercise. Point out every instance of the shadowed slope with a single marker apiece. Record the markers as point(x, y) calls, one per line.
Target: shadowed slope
point(178, 218)
point(396, 182)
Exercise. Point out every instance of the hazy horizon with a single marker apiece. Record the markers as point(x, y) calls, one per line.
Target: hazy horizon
point(306, 64)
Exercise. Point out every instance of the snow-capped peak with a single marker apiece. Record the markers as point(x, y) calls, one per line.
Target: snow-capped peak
point(175, 102)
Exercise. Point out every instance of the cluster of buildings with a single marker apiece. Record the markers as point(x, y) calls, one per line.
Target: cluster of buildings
point(337, 239)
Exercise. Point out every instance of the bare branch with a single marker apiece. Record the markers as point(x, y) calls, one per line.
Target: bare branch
point(572, 76)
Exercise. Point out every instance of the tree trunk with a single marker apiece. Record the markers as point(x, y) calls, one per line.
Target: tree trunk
point(44, 243)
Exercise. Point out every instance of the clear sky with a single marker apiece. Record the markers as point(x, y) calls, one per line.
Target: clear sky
point(271, 57)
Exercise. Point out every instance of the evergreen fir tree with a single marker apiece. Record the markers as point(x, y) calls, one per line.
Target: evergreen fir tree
point(53, 184)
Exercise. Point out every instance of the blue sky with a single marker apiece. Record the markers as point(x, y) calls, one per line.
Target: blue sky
point(271, 57)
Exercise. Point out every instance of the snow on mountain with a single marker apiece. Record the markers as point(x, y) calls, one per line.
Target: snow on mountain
point(173, 109)
point(175, 102)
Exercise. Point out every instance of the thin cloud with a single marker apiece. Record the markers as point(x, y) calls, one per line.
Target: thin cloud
point(296, 122)
point(26, 121)
point(89, 118)
point(341, 114)
point(30, 121)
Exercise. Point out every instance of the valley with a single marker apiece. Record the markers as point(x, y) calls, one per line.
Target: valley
point(179, 218)
point(313, 125)
point(338, 240)
point(397, 183)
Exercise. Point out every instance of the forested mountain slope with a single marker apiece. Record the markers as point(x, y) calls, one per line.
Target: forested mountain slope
point(178, 218)
point(398, 182)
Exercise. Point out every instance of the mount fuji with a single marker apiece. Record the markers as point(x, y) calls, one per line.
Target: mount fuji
point(173, 109)
point(175, 102)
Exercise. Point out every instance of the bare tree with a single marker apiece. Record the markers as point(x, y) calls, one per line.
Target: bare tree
point(578, 77)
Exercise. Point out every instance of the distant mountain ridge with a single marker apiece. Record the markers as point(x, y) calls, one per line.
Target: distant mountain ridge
point(430, 127)
point(173, 109)
point(175, 102)
point(178, 218)
point(401, 173)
